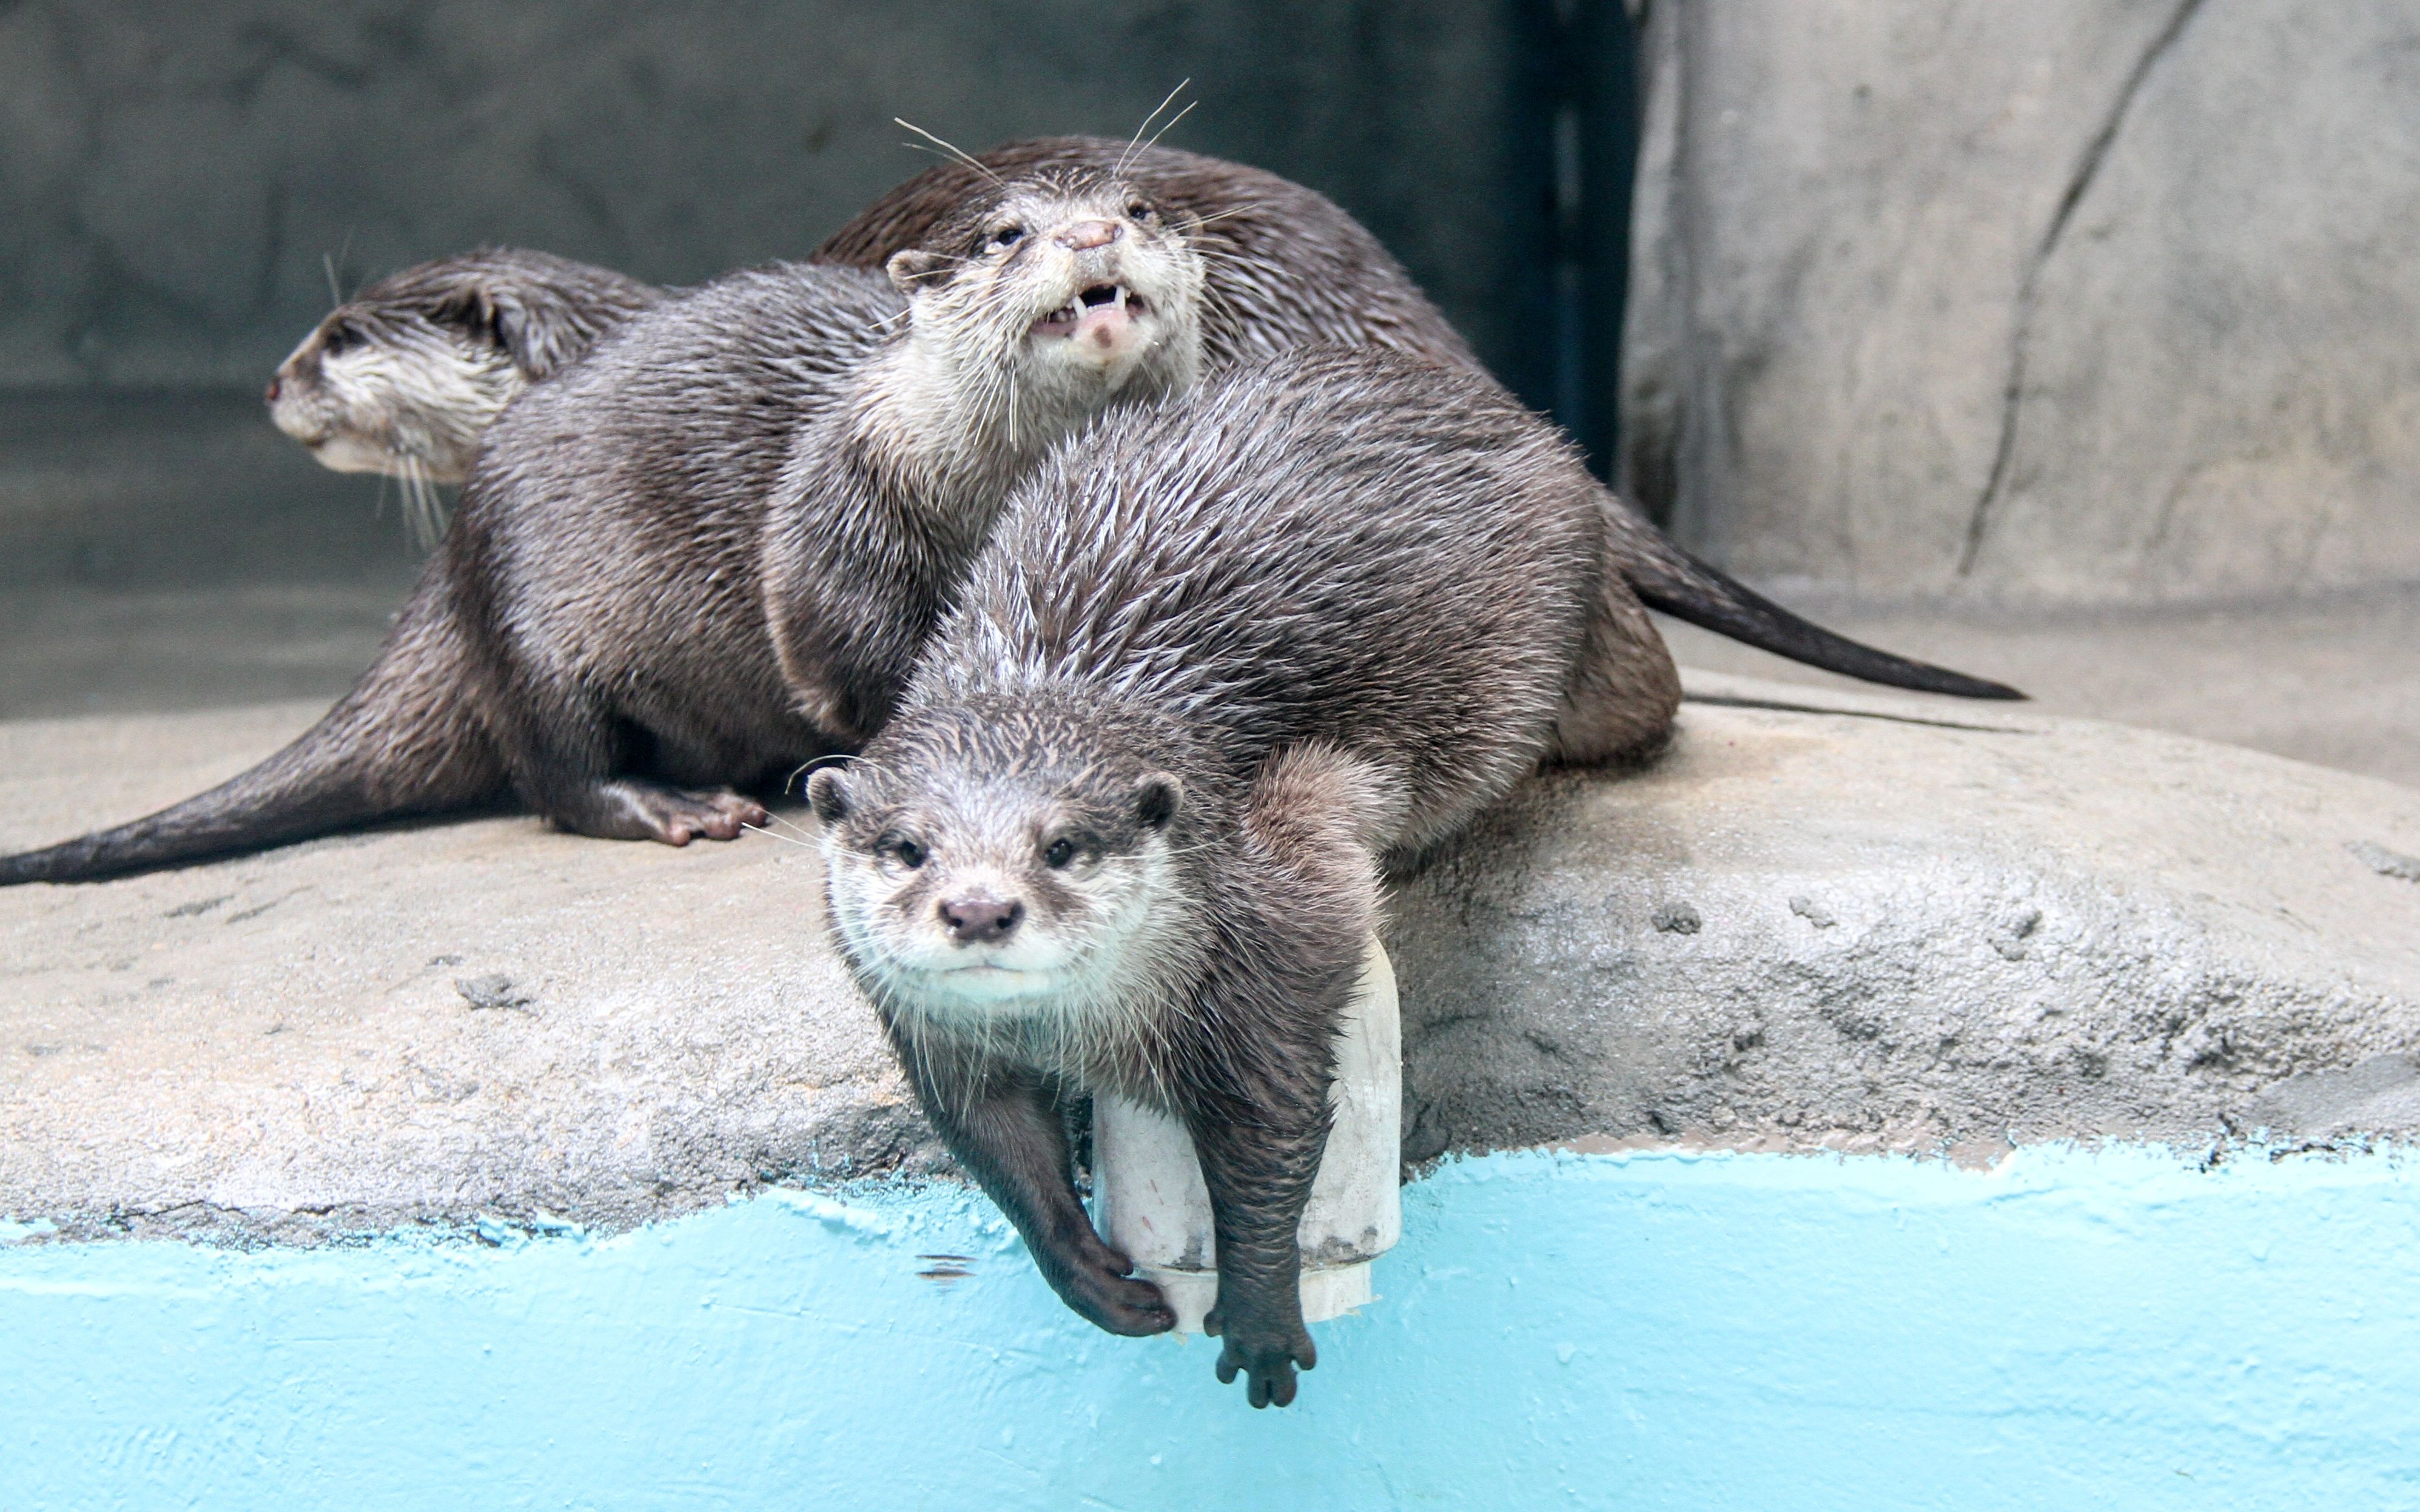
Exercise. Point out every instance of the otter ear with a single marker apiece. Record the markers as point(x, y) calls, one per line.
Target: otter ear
point(909, 267)
point(829, 793)
point(1157, 797)
point(473, 311)
point(533, 345)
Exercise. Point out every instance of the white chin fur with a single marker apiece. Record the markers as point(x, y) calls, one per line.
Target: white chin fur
point(350, 453)
point(981, 986)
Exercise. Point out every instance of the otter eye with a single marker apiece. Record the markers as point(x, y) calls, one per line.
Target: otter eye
point(1007, 236)
point(337, 339)
point(1142, 211)
point(909, 854)
point(1059, 853)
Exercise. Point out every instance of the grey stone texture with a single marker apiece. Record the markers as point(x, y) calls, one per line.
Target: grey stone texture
point(173, 176)
point(2328, 678)
point(1823, 919)
point(2073, 300)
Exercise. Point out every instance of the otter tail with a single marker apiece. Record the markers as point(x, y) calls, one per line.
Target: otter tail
point(403, 742)
point(1667, 578)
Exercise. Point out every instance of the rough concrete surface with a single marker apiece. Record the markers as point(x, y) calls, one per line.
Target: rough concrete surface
point(2074, 301)
point(2333, 679)
point(1822, 919)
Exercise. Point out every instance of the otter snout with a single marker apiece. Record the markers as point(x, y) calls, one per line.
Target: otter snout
point(980, 920)
point(1082, 235)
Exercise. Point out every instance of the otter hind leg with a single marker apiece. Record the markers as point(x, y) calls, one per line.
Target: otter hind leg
point(569, 760)
point(1623, 690)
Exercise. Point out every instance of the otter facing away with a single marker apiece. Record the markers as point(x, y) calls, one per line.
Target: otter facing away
point(708, 552)
point(1219, 667)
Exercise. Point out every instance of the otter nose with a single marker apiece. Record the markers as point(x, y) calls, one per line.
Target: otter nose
point(1084, 234)
point(271, 395)
point(980, 920)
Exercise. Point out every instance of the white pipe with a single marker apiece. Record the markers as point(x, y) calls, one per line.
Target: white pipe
point(1150, 1202)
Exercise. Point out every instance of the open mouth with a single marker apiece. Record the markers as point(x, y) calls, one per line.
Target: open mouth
point(1099, 304)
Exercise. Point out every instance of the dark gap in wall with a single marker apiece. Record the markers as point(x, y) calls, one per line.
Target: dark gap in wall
point(1575, 125)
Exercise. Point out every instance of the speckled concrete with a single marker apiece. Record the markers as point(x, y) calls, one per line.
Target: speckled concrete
point(1822, 920)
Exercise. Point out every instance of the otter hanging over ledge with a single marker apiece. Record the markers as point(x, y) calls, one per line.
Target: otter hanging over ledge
point(1221, 668)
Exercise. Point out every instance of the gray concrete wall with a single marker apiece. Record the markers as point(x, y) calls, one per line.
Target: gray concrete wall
point(2077, 300)
point(172, 177)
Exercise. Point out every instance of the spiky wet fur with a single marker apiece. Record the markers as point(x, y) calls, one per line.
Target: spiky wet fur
point(1252, 648)
point(703, 554)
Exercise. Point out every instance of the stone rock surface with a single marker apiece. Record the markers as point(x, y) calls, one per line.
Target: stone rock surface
point(1822, 919)
point(2070, 300)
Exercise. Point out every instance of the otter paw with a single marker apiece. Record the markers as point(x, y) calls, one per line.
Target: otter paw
point(1267, 1354)
point(677, 817)
point(1105, 1290)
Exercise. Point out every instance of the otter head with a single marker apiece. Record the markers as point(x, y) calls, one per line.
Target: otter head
point(982, 869)
point(1060, 291)
point(399, 386)
point(403, 378)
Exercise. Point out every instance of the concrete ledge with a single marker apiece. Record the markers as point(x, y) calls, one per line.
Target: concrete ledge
point(1877, 922)
point(1822, 920)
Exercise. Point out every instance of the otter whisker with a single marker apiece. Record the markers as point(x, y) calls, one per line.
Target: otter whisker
point(1230, 210)
point(828, 758)
point(806, 837)
point(775, 834)
point(953, 150)
point(1171, 125)
point(1127, 156)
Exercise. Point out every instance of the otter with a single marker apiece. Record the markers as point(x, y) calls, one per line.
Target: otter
point(1221, 669)
point(708, 552)
point(404, 378)
point(1287, 268)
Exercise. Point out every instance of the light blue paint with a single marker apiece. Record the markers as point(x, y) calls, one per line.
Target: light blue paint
point(2071, 1331)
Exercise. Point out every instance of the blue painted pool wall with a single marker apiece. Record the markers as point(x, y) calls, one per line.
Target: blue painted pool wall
point(2118, 1329)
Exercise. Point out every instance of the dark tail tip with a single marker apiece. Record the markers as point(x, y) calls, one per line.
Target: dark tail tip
point(1715, 601)
point(70, 862)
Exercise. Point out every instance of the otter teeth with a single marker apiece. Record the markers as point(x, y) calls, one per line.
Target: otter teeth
point(1115, 296)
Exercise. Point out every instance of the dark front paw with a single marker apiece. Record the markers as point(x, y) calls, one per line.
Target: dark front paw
point(1103, 1289)
point(1266, 1351)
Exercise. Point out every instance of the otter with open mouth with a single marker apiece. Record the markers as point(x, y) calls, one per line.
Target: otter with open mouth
point(708, 552)
point(1224, 663)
